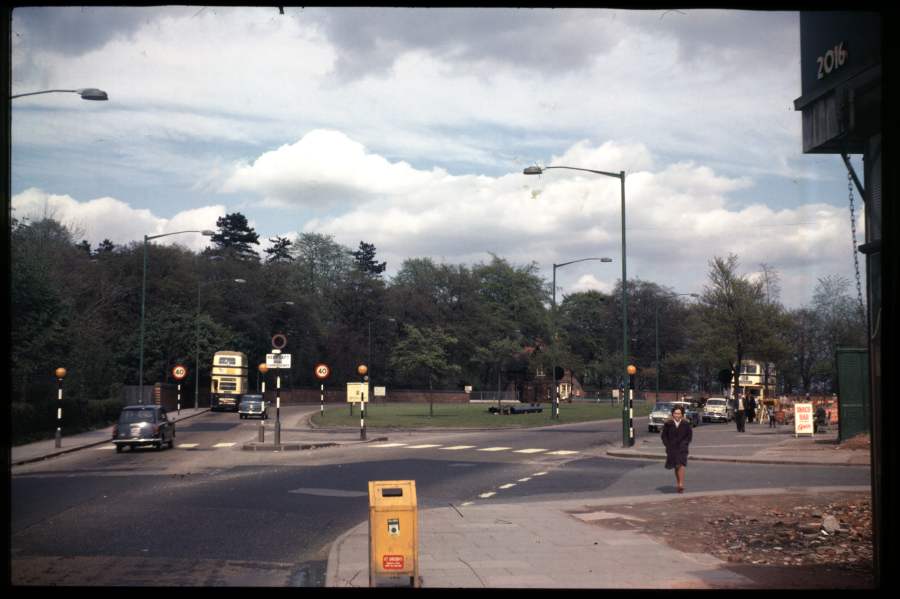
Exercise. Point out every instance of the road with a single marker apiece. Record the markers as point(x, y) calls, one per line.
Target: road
point(209, 514)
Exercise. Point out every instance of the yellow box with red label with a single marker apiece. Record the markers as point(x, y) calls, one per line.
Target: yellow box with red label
point(393, 533)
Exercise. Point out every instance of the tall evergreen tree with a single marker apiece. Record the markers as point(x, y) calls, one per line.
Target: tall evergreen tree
point(235, 236)
point(280, 250)
point(365, 260)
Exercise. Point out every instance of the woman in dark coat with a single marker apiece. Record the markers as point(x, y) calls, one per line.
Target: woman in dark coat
point(676, 436)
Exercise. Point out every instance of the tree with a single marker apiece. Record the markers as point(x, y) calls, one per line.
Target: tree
point(734, 313)
point(105, 247)
point(841, 324)
point(365, 260)
point(423, 354)
point(235, 236)
point(280, 251)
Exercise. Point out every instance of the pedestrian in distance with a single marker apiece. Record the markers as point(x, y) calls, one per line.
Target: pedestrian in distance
point(739, 414)
point(750, 408)
point(676, 437)
point(771, 414)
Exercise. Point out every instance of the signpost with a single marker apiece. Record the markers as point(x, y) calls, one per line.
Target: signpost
point(322, 371)
point(278, 360)
point(803, 419)
point(179, 372)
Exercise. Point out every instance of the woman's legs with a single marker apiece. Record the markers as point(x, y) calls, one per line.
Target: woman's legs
point(679, 477)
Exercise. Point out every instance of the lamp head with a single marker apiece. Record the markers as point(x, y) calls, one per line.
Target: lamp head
point(533, 170)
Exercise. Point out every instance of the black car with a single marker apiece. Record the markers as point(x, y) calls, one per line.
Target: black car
point(143, 425)
point(253, 405)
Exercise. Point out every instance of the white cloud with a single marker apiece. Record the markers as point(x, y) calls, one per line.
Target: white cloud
point(109, 218)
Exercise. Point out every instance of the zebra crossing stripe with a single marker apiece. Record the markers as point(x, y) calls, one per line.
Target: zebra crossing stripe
point(561, 452)
point(539, 474)
point(389, 445)
point(486, 495)
point(530, 450)
point(187, 446)
point(524, 480)
point(494, 448)
point(425, 446)
point(105, 447)
point(507, 486)
point(457, 447)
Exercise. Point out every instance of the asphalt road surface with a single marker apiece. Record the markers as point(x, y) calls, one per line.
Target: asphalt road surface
point(209, 514)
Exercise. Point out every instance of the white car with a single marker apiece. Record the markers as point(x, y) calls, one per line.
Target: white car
point(717, 409)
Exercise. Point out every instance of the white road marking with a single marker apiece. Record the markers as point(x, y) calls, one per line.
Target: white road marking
point(539, 474)
point(217, 445)
point(389, 445)
point(530, 450)
point(486, 495)
point(105, 447)
point(494, 448)
point(425, 446)
point(524, 480)
point(465, 503)
point(329, 492)
point(561, 452)
point(187, 446)
point(457, 447)
point(507, 486)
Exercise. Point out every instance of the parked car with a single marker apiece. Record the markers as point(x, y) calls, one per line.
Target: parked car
point(658, 416)
point(717, 409)
point(253, 405)
point(691, 412)
point(143, 425)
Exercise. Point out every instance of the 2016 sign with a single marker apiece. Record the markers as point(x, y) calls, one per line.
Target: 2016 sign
point(833, 59)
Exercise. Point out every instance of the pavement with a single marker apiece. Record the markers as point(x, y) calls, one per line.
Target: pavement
point(553, 544)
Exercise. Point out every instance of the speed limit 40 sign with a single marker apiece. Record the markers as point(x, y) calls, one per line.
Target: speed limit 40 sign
point(322, 371)
point(179, 372)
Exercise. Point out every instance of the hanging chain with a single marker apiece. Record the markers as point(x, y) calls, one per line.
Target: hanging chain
point(862, 308)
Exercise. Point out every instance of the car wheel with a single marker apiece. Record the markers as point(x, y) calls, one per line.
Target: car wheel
point(118, 449)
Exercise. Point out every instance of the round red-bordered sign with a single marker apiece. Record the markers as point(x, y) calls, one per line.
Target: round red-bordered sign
point(322, 371)
point(179, 372)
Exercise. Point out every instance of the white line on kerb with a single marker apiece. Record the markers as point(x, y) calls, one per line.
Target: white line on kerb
point(455, 447)
point(507, 486)
point(494, 448)
point(524, 480)
point(389, 445)
point(425, 446)
point(539, 474)
point(530, 450)
point(223, 445)
point(561, 452)
point(486, 495)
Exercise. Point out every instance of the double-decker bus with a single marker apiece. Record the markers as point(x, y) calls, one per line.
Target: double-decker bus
point(229, 380)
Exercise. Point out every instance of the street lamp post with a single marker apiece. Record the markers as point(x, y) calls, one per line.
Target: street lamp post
point(656, 320)
point(87, 93)
point(555, 409)
point(537, 170)
point(60, 375)
point(197, 335)
point(147, 238)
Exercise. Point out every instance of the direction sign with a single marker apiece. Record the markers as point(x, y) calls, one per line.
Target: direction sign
point(322, 371)
point(278, 360)
point(179, 372)
point(357, 392)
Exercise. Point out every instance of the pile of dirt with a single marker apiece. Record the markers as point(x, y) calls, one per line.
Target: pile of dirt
point(860, 441)
point(781, 541)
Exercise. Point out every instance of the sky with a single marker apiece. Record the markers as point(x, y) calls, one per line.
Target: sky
point(409, 128)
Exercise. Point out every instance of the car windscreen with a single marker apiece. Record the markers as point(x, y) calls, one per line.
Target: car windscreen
point(663, 407)
point(136, 416)
point(715, 402)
